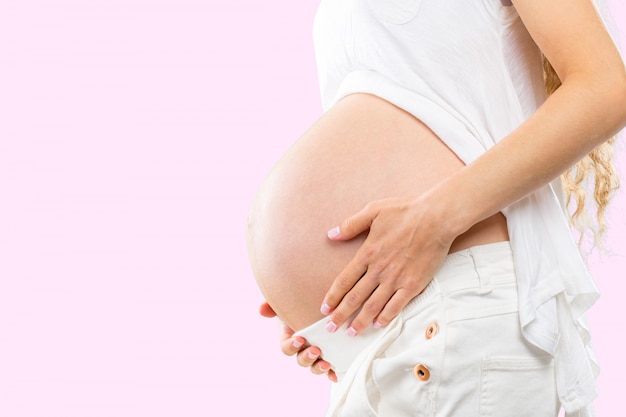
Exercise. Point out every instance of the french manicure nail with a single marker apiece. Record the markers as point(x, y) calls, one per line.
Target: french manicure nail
point(377, 325)
point(334, 232)
point(331, 326)
point(351, 332)
point(311, 355)
point(325, 309)
point(297, 344)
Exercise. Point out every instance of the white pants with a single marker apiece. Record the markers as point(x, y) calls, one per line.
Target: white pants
point(455, 350)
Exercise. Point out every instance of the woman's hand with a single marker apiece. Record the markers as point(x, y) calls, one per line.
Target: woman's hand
point(307, 356)
point(406, 245)
point(409, 238)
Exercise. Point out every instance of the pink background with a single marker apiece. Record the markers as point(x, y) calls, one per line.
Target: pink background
point(133, 136)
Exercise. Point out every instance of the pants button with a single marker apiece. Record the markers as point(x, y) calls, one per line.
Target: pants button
point(421, 372)
point(432, 330)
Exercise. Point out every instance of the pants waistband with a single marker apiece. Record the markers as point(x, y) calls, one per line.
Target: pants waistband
point(477, 266)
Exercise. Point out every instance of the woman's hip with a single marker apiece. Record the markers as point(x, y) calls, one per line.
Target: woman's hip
point(456, 349)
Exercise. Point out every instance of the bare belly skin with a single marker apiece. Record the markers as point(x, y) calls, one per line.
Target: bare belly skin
point(362, 149)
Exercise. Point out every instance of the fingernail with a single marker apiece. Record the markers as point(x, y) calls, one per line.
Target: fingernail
point(377, 325)
point(311, 355)
point(325, 309)
point(351, 332)
point(324, 367)
point(331, 326)
point(297, 344)
point(334, 232)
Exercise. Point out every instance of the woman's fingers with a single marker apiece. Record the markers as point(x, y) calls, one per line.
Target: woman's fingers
point(291, 345)
point(340, 287)
point(403, 250)
point(394, 306)
point(332, 375)
point(321, 367)
point(371, 309)
point(307, 357)
point(266, 310)
point(343, 291)
point(310, 358)
point(362, 286)
point(355, 224)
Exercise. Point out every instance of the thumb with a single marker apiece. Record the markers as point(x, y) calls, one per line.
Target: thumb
point(354, 225)
point(266, 310)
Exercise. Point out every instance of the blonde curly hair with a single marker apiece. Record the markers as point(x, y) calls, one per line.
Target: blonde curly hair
point(596, 167)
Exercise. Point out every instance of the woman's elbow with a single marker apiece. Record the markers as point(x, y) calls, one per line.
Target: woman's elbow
point(617, 99)
point(621, 98)
point(611, 87)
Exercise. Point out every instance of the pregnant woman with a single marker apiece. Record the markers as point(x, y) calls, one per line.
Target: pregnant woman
point(448, 283)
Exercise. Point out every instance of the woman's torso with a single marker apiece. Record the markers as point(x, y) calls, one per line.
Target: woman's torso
point(466, 69)
point(470, 71)
point(363, 149)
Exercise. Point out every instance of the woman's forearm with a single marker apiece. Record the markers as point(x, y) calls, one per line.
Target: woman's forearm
point(409, 238)
point(579, 116)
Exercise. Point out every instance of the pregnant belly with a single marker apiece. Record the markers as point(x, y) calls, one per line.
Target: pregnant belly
point(362, 149)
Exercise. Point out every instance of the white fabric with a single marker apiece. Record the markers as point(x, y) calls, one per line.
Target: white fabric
point(474, 353)
point(471, 72)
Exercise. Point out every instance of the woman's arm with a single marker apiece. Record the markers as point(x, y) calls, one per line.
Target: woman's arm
point(409, 238)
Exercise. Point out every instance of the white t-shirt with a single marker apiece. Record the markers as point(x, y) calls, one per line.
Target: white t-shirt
point(470, 71)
